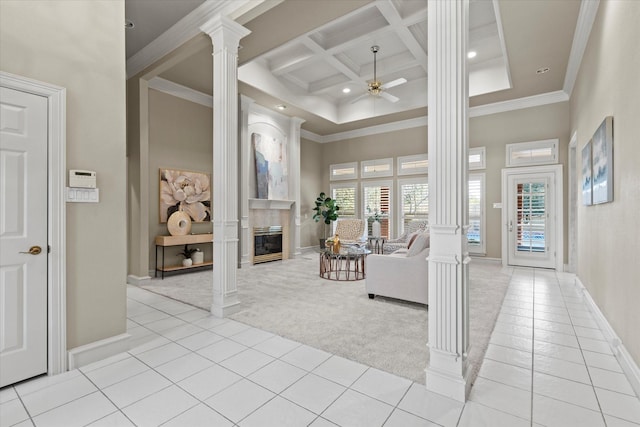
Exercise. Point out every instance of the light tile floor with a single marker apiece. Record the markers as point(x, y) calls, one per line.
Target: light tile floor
point(547, 364)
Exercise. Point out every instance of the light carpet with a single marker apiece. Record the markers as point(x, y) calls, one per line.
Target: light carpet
point(289, 299)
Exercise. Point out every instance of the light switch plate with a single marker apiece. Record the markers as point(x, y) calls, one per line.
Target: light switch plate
point(82, 195)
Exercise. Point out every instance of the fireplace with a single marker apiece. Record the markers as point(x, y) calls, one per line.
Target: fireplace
point(267, 244)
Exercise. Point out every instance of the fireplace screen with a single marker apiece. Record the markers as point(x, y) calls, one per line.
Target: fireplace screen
point(267, 244)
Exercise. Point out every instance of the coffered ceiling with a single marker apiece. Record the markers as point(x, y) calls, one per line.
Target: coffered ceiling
point(306, 61)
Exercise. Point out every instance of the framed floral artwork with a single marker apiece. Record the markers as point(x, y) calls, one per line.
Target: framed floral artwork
point(185, 191)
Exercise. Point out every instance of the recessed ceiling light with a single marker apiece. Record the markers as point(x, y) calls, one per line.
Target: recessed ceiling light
point(128, 24)
point(281, 107)
point(471, 54)
point(542, 70)
point(346, 90)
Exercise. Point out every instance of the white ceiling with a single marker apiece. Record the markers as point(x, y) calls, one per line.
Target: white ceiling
point(311, 71)
point(302, 53)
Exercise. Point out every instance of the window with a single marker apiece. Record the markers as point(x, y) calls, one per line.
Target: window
point(532, 153)
point(476, 232)
point(377, 198)
point(345, 197)
point(414, 200)
point(377, 168)
point(476, 158)
point(342, 171)
point(413, 165)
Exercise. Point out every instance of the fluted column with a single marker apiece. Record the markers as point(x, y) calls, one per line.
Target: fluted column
point(294, 184)
point(245, 172)
point(448, 32)
point(225, 35)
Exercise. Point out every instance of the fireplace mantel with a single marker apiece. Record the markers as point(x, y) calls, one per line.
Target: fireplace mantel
point(270, 204)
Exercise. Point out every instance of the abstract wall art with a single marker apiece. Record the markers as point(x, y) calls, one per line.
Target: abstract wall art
point(272, 172)
point(586, 175)
point(602, 161)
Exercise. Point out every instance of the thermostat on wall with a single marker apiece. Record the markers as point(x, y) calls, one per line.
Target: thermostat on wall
point(82, 179)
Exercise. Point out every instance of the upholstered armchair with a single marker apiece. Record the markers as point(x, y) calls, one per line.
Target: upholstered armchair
point(402, 242)
point(351, 230)
point(402, 275)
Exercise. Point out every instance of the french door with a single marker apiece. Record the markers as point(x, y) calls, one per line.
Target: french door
point(532, 217)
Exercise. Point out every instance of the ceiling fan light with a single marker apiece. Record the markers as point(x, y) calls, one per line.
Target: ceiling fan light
point(472, 54)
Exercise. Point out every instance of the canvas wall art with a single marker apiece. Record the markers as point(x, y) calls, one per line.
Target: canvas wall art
point(586, 174)
point(187, 191)
point(602, 161)
point(272, 172)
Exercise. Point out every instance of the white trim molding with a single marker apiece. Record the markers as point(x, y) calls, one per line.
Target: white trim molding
point(586, 17)
point(139, 280)
point(57, 271)
point(98, 350)
point(477, 111)
point(628, 365)
point(180, 91)
point(189, 27)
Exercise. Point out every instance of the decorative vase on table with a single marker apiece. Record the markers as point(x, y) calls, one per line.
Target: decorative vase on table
point(187, 262)
point(179, 224)
point(197, 257)
point(375, 229)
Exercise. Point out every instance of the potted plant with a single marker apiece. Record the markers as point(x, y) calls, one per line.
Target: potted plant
point(326, 210)
point(186, 253)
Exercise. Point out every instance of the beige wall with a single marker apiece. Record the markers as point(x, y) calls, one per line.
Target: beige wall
point(608, 244)
point(497, 130)
point(80, 46)
point(180, 137)
point(391, 144)
point(493, 132)
point(311, 184)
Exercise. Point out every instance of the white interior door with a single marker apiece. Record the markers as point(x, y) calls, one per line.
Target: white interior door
point(531, 218)
point(23, 235)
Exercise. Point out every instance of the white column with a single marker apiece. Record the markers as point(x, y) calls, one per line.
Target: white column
point(245, 172)
point(226, 35)
point(448, 102)
point(294, 185)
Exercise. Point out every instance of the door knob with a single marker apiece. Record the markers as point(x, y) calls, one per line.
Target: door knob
point(33, 250)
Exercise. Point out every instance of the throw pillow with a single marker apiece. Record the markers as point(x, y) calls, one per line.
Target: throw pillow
point(419, 244)
point(412, 237)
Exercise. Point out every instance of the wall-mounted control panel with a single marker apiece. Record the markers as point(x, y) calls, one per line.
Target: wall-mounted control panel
point(82, 187)
point(82, 179)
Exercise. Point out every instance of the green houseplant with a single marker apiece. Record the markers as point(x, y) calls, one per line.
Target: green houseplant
point(326, 210)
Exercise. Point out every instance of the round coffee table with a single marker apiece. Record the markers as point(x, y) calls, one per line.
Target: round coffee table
point(348, 264)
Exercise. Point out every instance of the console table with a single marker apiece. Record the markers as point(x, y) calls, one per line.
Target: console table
point(189, 239)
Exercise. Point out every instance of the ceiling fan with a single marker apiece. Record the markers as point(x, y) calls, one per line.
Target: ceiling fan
point(376, 87)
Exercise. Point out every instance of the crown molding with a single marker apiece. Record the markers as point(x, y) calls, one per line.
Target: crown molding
point(519, 104)
point(481, 110)
point(586, 17)
point(171, 88)
point(186, 29)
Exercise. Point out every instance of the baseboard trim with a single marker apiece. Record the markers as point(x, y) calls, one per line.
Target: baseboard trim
point(621, 353)
point(98, 350)
point(137, 280)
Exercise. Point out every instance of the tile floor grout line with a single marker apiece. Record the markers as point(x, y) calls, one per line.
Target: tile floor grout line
point(589, 375)
point(118, 409)
point(533, 347)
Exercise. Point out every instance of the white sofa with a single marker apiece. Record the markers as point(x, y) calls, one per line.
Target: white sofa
point(403, 274)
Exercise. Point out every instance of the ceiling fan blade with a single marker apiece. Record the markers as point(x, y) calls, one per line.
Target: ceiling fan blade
point(389, 97)
point(364, 95)
point(392, 83)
